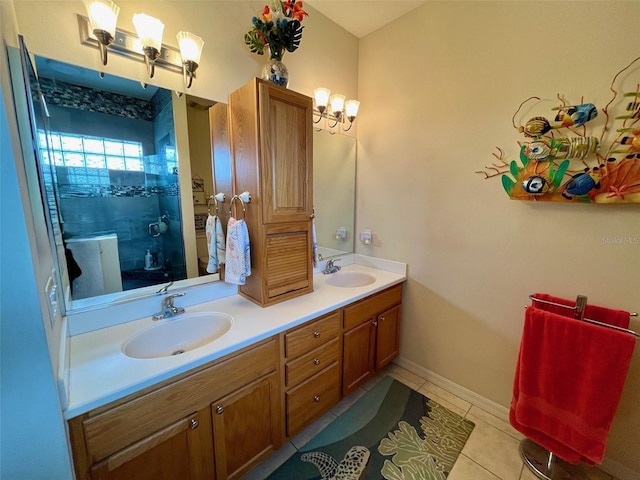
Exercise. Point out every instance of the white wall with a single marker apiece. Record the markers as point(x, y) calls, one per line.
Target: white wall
point(439, 88)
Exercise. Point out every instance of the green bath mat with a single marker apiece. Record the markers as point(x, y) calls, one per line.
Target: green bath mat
point(392, 433)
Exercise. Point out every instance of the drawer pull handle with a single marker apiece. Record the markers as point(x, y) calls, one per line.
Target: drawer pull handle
point(219, 410)
point(193, 424)
point(316, 398)
point(316, 334)
point(316, 361)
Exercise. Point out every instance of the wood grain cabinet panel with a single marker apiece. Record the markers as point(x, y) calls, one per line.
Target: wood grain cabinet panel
point(180, 450)
point(312, 361)
point(271, 139)
point(312, 398)
point(244, 431)
point(168, 428)
point(311, 335)
point(371, 336)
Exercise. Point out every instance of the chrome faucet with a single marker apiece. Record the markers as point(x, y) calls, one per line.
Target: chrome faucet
point(168, 308)
point(164, 289)
point(331, 267)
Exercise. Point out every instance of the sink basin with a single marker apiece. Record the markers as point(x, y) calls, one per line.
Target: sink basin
point(176, 335)
point(350, 279)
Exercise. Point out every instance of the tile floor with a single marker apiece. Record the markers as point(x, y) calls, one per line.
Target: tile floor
point(491, 453)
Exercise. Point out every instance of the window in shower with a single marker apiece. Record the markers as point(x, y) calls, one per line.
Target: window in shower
point(89, 159)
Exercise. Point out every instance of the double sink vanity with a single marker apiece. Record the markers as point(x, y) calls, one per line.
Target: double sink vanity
point(211, 392)
point(206, 379)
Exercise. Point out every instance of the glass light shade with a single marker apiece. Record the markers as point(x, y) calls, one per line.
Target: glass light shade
point(103, 15)
point(149, 30)
point(321, 96)
point(351, 108)
point(337, 102)
point(190, 46)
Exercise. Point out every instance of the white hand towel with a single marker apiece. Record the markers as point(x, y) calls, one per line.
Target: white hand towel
point(215, 243)
point(238, 266)
point(314, 239)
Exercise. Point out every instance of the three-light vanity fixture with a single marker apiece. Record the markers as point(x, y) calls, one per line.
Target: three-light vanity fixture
point(100, 28)
point(334, 108)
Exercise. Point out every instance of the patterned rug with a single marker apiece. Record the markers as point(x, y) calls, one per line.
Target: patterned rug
point(392, 433)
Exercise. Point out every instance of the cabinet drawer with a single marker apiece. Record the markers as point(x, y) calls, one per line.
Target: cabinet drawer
point(312, 398)
point(368, 308)
point(116, 428)
point(311, 336)
point(308, 365)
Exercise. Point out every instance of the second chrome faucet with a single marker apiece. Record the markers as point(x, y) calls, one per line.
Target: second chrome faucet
point(168, 308)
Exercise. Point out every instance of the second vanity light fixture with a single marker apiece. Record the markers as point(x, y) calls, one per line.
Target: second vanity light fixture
point(100, 28)
point(334, 108)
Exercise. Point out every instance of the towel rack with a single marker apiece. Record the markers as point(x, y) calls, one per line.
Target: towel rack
point(581, 303)
point(217, 198)
point(244, 197)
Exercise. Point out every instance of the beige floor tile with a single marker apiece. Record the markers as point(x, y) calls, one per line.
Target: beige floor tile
point(267, 467)
point(494, 450)
point(433, 391)
point(527, 474)
point(392, 368)
point(500, 424)
point(393, 373)
point(467, 469)
point(584, 472)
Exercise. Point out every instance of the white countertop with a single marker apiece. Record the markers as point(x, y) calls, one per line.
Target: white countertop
point(99, 372)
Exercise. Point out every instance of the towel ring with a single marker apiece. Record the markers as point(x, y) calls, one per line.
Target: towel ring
point(234, 198)
point(219, 197)
point(215, 203)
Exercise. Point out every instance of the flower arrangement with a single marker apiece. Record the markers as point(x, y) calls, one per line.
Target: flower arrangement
point(278, 27)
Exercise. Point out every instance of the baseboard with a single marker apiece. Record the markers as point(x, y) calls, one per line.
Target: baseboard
point(611, 467)
point(618, 470)
point(470, 396)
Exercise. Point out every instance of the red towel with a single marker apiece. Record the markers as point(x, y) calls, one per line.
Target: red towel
point(568, 383)
point(619, 318)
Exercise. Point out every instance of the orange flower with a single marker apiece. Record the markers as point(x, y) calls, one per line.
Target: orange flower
point(294, 9)
point(266, 14)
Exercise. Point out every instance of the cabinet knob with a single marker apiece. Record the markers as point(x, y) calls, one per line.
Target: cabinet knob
point(193, 424)
point(316, 361)
point(316, 334)
point(316, 398)
point(382, 318)
point(219, 410)
point(374, 323)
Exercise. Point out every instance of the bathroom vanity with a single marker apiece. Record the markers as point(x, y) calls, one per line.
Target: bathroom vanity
point(218, 410)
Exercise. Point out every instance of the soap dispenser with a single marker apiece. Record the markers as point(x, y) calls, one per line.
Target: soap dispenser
point(148, 260)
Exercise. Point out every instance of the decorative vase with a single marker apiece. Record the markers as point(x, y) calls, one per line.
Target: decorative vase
point(274, 70)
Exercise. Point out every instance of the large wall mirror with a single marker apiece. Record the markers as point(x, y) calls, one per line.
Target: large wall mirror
point(126, 170)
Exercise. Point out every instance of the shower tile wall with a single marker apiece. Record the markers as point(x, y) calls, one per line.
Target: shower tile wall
point(132, 200)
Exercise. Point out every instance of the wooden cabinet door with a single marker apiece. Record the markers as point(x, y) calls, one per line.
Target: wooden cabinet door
point(180, 450)
point(286, 140)
point(358, 361)
point(244, 427)
point(388, 337)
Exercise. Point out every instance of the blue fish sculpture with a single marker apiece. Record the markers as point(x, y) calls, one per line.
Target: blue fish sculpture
point(581, 184)
point(576, 115)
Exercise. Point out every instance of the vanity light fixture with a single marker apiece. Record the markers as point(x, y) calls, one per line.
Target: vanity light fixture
point(149, 31)
point(334, 108)
point(145, 46)
point(190, 51)
point(103, 17)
